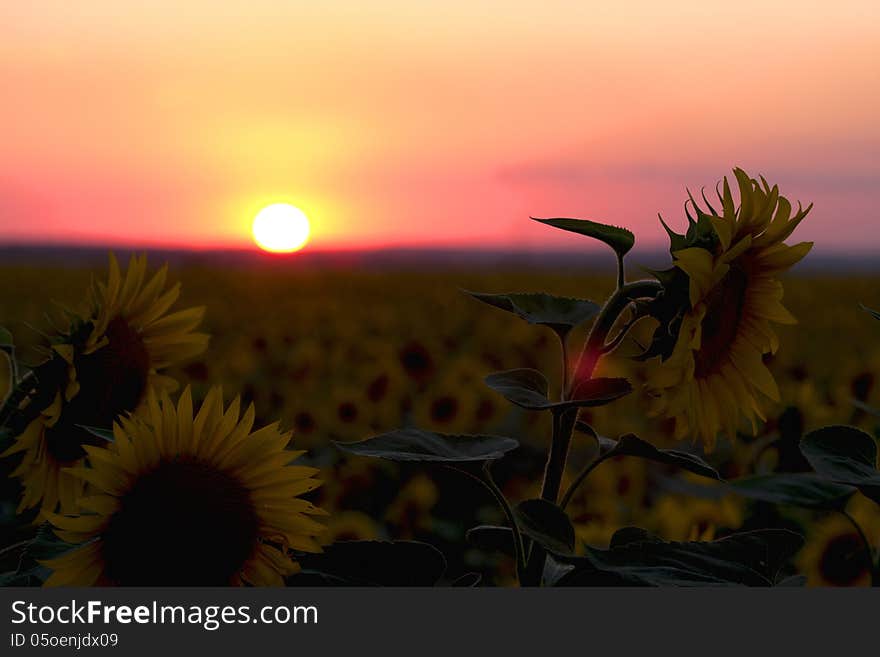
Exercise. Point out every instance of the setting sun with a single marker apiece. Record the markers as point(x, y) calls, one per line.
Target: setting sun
point(281, 228)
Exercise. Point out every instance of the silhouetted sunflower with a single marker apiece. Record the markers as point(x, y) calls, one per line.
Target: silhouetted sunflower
point(725, 274)
point(177, 500)
point(102, 368)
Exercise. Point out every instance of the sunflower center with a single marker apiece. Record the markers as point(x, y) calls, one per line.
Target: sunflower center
point(444, 409)
point(113, 380)
point(724, 307)
point(183, 524)
point(843, 560)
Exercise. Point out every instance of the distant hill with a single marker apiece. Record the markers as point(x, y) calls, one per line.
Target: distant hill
point(395, 258)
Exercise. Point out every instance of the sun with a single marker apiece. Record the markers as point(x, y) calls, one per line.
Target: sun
point(281, 228)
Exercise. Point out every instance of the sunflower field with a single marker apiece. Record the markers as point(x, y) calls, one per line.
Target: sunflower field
point(710, 423)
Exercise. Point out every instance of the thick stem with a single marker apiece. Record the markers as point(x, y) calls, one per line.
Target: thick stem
point(563, 343)
point(595, 345)
point(621, 279)
point(563, 425)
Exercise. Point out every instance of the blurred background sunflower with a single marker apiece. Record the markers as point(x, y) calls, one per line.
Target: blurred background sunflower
point(835, 554)
point(178, 500)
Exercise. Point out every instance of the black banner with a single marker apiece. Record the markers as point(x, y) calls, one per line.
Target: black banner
point(294, 621)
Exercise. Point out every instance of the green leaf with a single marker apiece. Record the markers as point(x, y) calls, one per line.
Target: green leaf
point(632, 445)
point(619, 239)
point(491, 538)
point(546, 524)
point(430, 447)
point(104, 434)
point(372, 563)
point(794, 489)
point(748, 558)
point(559, 313)
point(6, 338)
point(529, 389)
point(844, 455)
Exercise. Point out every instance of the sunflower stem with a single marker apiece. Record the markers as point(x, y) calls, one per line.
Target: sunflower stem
point(13, 365)
point(579, 479)
point(621, 279)
point(611, 311)
point(489, 484)
point(518, 546)
point(563, 342)
point(564, 421)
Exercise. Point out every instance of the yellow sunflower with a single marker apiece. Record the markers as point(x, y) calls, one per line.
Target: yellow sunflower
point(731, 296)
point(184, 501)
point(834, 554)
point(102, 368)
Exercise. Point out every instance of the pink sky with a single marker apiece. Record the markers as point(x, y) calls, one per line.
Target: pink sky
point(428, 123)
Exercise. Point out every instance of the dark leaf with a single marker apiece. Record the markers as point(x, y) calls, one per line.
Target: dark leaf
point(555, 570)
point(793, 580)
point(795, 489)
point(619, 239)
point(631, 445)
point(30, 572)
point(628, 535)
point(748, 558)
point(583, 427)
point(597, 392)
point(491, 538)
point(524, 387)
point(841, 449)
point(546, 524)
point(6, 338)
point(845, 455)
point(559, 313)
point(374, 563)
point(427, 446)
point(528, 389)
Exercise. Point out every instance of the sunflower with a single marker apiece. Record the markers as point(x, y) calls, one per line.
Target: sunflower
point(834, 554)
point(102, 368)
point(679, 518)
point(185, 501)
point(349, 526)
point(725, 275)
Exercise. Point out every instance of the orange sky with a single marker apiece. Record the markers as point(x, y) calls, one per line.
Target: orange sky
point(425, 122)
